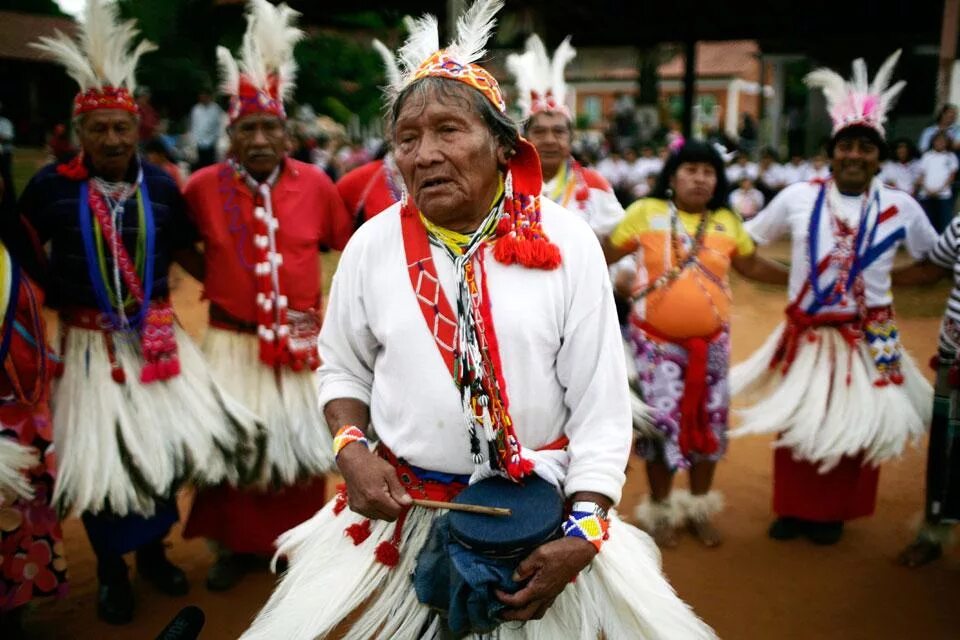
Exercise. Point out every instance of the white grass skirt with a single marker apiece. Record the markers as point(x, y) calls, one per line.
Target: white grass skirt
point(121, 446)
point(15, 461)
point(299, 444)
point(819, 415)
point(622, 594)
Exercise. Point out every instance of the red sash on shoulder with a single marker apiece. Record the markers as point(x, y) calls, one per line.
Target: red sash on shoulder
point(442, 323)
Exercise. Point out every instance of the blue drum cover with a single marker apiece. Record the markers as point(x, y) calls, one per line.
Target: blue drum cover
point(537, 515)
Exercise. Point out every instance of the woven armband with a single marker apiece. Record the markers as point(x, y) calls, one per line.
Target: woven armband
point(345, 435)
point(586, 525)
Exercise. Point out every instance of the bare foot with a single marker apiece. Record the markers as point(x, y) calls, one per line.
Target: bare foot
point(705, 532)
point(919, 553)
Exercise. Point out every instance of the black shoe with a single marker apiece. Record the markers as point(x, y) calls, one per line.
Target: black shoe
point(154, 567)
point(228, 571)
point(824, 533)
point(785, 528)
point(115, 601)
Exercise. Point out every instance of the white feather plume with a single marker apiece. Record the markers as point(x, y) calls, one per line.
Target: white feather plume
point(535, 72)
point(474, 29)
point(882, 79)
point(562, 56)
point(423, 40)
point(229, 72)
point(267, 47)
point(390, 68)
point(103, 55)
point(858, 101)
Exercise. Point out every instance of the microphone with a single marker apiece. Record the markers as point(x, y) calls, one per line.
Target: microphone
point(185, 626)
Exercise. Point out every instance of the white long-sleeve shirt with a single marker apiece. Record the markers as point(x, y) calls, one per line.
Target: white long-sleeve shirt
point(559, 342)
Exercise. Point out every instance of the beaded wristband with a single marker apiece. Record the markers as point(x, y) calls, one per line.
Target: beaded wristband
point(586, 525)
point(345, 435)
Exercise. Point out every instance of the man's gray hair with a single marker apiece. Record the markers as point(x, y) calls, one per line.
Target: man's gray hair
point(501, 126)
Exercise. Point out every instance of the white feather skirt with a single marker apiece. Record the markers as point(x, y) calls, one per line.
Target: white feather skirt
point(299, 444)
point(623, 594)
point(15, 461)
point(826, 406)
point(121, 446)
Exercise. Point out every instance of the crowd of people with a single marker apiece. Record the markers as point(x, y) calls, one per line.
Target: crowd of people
point(505, 327)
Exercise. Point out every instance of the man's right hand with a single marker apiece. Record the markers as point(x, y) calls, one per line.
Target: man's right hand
point(373, 489)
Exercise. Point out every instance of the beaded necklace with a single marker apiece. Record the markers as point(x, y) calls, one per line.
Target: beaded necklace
point(676, 251)
point(135, 274)
point(849, 250)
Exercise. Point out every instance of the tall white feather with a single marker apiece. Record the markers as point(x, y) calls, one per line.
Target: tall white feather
point(103, 54)
point(563, 55)
point(882, 79)
point(64, 49)
point(273, 36)
point(423, 40)
point(390, 68)
point(229, 72)
point(473, 31)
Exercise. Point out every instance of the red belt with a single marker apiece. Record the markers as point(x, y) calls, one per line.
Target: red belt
point(388, 551)
point(695, 432)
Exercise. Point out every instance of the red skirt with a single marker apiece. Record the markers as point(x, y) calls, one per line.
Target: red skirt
point(248, 521)
point(848, 491)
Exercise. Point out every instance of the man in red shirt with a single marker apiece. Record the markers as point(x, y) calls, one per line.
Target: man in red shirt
point(263, 217)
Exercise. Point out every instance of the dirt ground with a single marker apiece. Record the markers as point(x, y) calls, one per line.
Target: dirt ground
point(749, 588)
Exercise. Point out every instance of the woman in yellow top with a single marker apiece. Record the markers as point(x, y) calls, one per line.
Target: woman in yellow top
point(683, 241)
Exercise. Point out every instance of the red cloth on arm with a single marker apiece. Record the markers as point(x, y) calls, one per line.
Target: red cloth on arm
point(848, 491)
point(311, 216)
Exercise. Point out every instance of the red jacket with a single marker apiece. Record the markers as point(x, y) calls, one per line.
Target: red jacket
point(311, 216)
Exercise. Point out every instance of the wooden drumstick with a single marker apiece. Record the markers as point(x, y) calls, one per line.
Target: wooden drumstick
point(469, 508)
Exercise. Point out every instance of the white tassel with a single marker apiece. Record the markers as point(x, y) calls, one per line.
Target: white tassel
point(15, 461)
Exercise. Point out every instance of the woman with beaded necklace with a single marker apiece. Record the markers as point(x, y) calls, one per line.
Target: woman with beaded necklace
point(684, 242)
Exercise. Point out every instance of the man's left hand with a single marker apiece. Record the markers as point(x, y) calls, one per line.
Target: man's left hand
point(549, 569)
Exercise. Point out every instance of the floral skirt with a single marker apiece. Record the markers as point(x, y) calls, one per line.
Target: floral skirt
point(32, 563)
point(662, 370)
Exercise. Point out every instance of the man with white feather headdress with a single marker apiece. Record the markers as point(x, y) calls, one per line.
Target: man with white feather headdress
point(470, 285)
point(135, 411)
point(542, 97)
point(263, 218)
point(833, 380)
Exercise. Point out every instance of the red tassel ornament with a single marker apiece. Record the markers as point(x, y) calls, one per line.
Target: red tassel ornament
point(358, 532)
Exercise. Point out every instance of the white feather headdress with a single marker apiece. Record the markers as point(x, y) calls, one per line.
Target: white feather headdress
point(421, 55)
point(103, 60)
point(266, 73)
point(540, 81)
point(858, 102)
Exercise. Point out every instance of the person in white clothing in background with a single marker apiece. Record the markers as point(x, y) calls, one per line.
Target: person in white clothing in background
point(938, 169)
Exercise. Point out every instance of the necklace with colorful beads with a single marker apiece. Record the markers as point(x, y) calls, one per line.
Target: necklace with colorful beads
point(689, 260)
